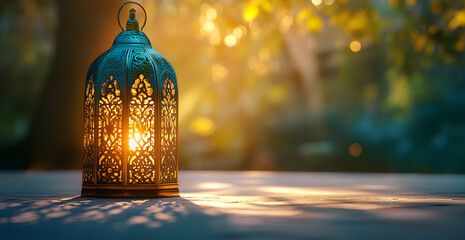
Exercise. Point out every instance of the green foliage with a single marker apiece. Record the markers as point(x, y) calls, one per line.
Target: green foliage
point(26, 46)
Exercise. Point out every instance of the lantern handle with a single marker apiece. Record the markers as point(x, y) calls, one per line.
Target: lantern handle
point(143, 9)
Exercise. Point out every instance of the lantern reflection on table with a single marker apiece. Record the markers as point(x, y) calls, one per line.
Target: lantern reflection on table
point(130, 120)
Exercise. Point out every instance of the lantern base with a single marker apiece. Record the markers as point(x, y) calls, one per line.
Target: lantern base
point(137, 193)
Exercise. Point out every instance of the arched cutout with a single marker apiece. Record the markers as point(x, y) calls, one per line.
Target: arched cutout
point(141, 155)
point(89, 131)
point(110, 133)
point(168, 143)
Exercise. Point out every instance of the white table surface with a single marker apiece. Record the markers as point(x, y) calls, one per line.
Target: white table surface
point(239, 205)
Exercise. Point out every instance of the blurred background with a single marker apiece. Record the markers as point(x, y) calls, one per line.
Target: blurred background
point(288, 85)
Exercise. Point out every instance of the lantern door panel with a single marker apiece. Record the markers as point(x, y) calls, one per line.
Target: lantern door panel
point(141, 160)
point(168, 92)
point(169, 105)
point(110, 119)
point(89, 131)
point(90, 124)
point(110, 133)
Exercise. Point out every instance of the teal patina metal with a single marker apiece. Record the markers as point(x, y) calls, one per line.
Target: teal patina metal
point(130, 120)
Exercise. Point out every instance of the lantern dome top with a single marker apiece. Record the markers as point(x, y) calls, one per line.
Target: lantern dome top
point(132, 37)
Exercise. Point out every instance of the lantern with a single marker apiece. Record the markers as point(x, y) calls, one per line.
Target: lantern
point(130, 120)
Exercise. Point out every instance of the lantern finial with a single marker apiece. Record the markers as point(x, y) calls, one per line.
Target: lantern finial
point(132, 24)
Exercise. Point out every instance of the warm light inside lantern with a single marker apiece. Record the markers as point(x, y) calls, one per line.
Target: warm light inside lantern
point(134, 141)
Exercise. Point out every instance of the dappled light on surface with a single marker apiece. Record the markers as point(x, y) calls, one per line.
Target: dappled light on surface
point(214, 185)
point(292, 191)
point(243, 205)
point(262, 194)
point(214, 204)
point(151, 213)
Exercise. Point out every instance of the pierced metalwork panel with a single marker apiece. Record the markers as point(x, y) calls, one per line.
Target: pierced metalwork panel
point(168, 118)
point(141, 155)
point(89, 131)
point(142, 148)
point(110, 133)
point(168, 132)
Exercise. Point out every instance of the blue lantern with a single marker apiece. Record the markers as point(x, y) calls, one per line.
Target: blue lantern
point(130, 120)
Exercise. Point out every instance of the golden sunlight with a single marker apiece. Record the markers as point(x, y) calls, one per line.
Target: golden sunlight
point(203, 126)
point(250, 13)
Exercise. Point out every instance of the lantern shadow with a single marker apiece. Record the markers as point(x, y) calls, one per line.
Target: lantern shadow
point(104, 217)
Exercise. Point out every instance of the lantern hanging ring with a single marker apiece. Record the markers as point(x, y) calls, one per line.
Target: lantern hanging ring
point(138, 4)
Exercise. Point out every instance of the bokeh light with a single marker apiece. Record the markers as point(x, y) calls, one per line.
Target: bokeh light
point(355, 149)
point(355, 46)
point(250, 13)
point(287, 21)
point(230, 40)
point(211, 14)
point(316, 2)
point(239, 31)
point(219, 72)
point(329, 2)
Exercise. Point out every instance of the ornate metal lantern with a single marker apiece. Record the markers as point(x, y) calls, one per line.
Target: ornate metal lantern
point(130, 120)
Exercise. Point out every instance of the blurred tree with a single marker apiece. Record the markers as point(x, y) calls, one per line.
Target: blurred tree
point(84, 32)
point(27, 44)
